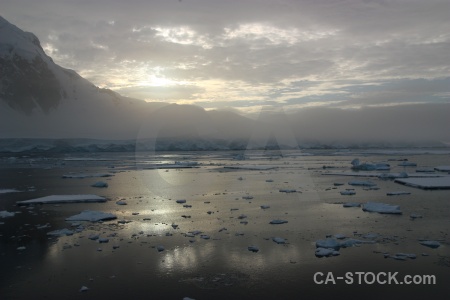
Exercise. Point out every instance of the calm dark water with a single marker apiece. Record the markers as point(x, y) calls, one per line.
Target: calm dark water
point(218, 267)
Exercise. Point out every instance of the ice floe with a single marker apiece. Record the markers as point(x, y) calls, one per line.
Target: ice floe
point(361, 183)
point(6, 214)
point(426, 183)
point(58, 199)
point(279, 240)
point(253, 248)
point(181, 201)
point(431, 244)
point(287, 191)
point(348, 193)
point(92, 216)
point(351, 204)
point(121, 202)
point(407, 164)
point(325, 252)
point(356, 165)
point(265, 206)
point(278, 221)
point(442, 168)
point(84, 289)
point(61, 232)
point(398, 193)
point(328, 243)
point(251, 167)
point(100, 184)
point(87, 175)
point(403, 256)
point(381, 208)
point(5, 191)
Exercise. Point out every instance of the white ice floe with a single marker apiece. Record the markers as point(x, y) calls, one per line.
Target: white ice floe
point(442, 168)
point(5, 191)
point(100, 184)
point(328, 243)
point(361, 183)
point(431, 244)
point(325, 252)
point(92, 216)
point(121, 202)
point(356, 165)
point(381, 208)
point(279, 240)
point(348, 193)
point(54, 199)
point(84, 288)
point(87, 175)
point(61, 232)
point(278, 221)
point(351, 204)
point(6, 214)
point(253, 248)
point(427, 183)
point(398, 193)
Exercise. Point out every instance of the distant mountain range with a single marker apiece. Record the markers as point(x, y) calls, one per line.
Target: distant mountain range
point(45, 103)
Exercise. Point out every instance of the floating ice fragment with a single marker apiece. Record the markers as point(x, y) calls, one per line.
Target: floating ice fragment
point(407, 164)
point(431, 244)
point(337, 184)
point(187, 205)
point(93, 236)
point(399, 193)
point(279, 240)
point(328, 243)
point(361, 183)
point(84, 288)
point(427, 183)
point(415, 216)
point(381, 208)
point(103, 240)
point(86, 175)
point(242, 217)
point(352, 204)
point(100, 184)
point(121, 202)
point(92, 216)
point(265, 206)
point(348, 193)
point(278, 221)
point(160, 248)
point(353, 242)
point(181, 201)
point(253, 248)
point(5, 191)
point(339, 236)
point(21, 248)
point(247, 197)
point(54, 199)
point(6, 214)
point(287, 191)
point(205, 236)
point(442, 168)
point(60, 232)
point(325, 252)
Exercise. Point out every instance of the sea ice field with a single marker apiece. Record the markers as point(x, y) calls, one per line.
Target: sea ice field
point(223, 224)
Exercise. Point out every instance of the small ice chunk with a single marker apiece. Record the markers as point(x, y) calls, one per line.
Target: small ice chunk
point(279, 240)
point(348, 193)
point(181, 201)
point(265, 206)
point(415, 216)
point(398, 193)
point(205, 236)
point(247, 197)
point(84, 288)
point(361, 183)
point(328, 243)
point(325, 252)
point(21, 248)
point(352, 204)
point(103, 240)
point(339, 236)
point(277, 221)
point(92, 216)
point(353, 242)
point(381, 208)
point(100, 184)
point(287, 191)
point(431, 244)
point(6, 214)
point(121, 202)
point(407, 164)
point(337, 184)
point(58, 199)
point(94, 236)
point(242, 217)
point(253, 248)
point(160, 248)
point(5, 191)
point(60, 232)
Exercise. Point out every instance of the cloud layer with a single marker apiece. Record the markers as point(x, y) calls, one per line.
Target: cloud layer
point(250, 54)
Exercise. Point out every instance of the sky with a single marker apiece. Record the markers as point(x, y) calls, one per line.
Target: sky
point(250, 55)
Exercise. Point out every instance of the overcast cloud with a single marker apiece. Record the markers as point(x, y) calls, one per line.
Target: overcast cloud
point(248, 54)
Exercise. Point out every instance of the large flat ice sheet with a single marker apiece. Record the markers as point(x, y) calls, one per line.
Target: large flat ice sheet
point(54, 199)
point(426, 183)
